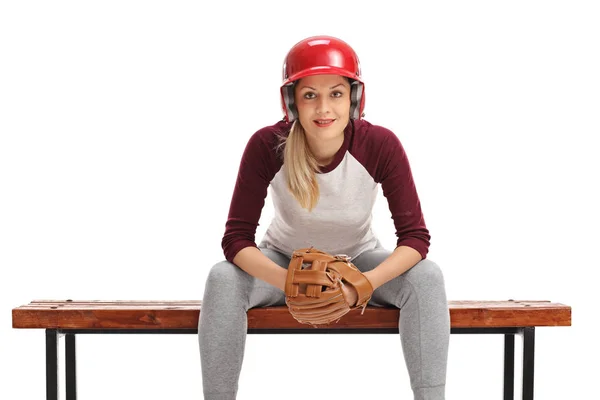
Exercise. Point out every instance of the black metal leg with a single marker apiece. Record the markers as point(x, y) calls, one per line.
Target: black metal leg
point(528, 361)
point(52, 361)
point(70, 373)
point(509, 366)
point(51, 364)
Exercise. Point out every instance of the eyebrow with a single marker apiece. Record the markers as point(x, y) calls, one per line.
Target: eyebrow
point(333, 87)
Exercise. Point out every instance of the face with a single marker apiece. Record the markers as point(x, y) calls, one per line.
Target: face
point(323, 103)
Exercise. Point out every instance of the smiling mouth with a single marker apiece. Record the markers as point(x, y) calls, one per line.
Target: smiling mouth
point(324, 122)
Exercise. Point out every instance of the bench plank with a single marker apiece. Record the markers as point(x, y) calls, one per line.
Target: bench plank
point(184, 314)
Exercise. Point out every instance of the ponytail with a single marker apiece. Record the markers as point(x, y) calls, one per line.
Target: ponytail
point(300, 168)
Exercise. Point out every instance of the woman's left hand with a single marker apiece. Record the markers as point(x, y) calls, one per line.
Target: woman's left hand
point(350, 294)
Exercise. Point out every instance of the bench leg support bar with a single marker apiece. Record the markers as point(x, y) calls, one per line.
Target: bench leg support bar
point(528, 359)
point(509, 366)
point(51, 364)
point(70, 369)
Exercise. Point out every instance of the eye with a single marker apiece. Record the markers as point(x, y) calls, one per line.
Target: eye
point(309, 95)
point(337, 93)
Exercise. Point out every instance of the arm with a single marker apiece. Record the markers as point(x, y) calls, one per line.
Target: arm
point(401, 260)
point(255, 263)
point(412, 244)
point(257, 168)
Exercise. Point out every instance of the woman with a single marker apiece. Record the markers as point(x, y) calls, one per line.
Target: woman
point(323, 164)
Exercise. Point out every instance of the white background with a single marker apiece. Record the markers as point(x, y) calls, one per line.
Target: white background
point(122, 124)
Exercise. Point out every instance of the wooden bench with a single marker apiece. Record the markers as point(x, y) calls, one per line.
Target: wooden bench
point(69, 318)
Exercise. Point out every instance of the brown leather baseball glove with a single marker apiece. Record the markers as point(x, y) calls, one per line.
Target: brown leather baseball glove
point(313, 288)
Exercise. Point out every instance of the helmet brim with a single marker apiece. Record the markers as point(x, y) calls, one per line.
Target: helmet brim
point(323, 70)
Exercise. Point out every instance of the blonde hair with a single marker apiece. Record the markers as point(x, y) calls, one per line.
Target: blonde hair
point(300, 167)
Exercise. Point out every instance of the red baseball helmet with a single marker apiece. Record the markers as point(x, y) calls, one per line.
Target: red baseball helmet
point(321, 55)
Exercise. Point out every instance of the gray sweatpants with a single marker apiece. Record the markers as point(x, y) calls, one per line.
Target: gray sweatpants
point(419, 292)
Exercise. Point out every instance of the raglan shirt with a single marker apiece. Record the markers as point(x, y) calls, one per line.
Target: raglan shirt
point(340, 223)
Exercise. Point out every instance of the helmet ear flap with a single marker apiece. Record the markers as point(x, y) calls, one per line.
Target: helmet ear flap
point(357, 93)
point(287, 99)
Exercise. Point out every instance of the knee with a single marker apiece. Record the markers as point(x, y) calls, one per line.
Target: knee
point(426, 273)
point(224, 273)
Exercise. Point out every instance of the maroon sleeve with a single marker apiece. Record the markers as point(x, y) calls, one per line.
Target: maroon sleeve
point(387, 162)
point(258, 166)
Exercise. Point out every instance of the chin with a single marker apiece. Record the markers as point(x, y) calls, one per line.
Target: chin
point(331, 132)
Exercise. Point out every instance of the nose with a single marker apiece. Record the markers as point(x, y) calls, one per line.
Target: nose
point(323, 105)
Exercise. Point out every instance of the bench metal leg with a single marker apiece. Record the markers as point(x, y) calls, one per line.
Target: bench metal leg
point(528, 334)
point(51, 364)
point(509, 366)
point(70, 365)
point(528, 361)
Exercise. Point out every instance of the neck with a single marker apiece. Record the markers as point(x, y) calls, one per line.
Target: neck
point(324, 152)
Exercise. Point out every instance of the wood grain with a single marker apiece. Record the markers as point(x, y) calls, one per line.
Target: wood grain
point(184, 314)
